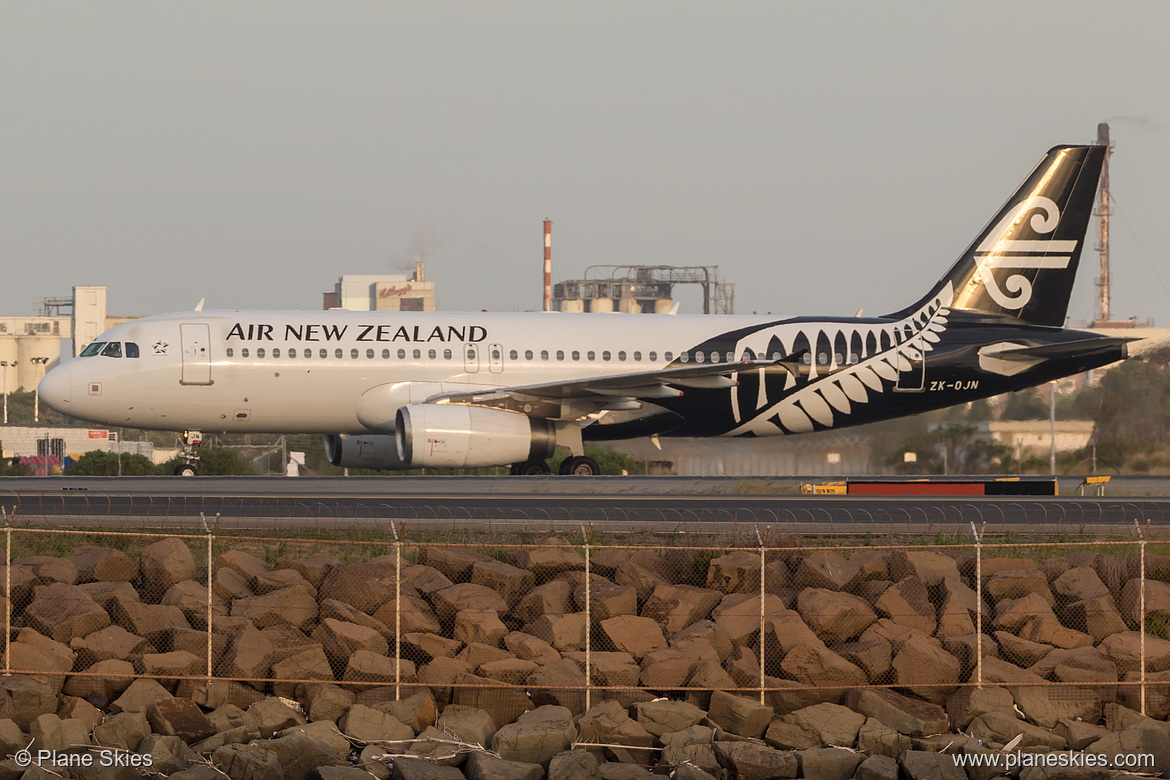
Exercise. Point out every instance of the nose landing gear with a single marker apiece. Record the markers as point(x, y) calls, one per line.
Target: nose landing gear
point(191, 441)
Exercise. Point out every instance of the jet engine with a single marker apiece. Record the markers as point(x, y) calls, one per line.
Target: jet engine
point(363, 452)
point(458, 436)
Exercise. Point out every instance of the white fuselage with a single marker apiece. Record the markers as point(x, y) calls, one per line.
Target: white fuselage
point(237, 371)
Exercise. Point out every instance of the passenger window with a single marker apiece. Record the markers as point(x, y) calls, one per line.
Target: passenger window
point(653, 356)
point(325, 353)
point(337, 353)
point(260, 352)
point(276, 352)
point(229, 352)
point(446, 354)
point(683, 357)
point(591, 355)
point(776, 356)
point(699, 356)
point(622, 356)
point(667, 356)
point(730, 357)
point(806, 358)
point(431, 354)
point(576, 355)
point(369, 354)
point(544, 354)
point(823, 359)
point(292, 353)
point(131, 349)
point(385, 354)
point(402, 354)
point(244, 352)
point(92, 349)
point(513, 355)
point(605, 355)
point(418, 354)
point(528, 354)
point(113, 349)
point(353, 353)
point(637, 356)
point(560, 355)
point(495, 354)
point(309, 352)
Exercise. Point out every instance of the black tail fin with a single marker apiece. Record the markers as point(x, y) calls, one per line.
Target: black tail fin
point(1023, 264)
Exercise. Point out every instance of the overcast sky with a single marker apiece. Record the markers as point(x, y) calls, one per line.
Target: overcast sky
point(826, 156)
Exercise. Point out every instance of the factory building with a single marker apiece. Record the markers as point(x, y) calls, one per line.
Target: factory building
point(641, 289)
point(30, 345)
point(379, 292)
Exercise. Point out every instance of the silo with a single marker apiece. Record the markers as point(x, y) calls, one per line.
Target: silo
point(663, 306)
point(630, 306)
point(29, 347)
point(573, 305)
point(8, 352)
point(601, 305)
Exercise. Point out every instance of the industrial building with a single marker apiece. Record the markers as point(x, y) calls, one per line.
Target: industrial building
point(641, 289)
point(379, 292)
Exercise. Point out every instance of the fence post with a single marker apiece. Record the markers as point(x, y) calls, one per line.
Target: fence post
point(398, 609)
point(978, 534)
point(588, 537)
point(210, 540)
point(763, 540)
point(8, 520)
point(1142, 534)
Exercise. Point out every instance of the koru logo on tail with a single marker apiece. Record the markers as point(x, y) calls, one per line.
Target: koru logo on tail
point(1001, 250)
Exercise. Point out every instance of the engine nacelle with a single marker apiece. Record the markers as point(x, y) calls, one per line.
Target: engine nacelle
point(363, 452)
point(457, 436)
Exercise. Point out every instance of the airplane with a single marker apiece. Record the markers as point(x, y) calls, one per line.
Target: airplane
point(402, 390)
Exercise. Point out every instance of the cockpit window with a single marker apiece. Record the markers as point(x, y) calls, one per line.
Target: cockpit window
point(131, 349)
point(93, 349)
point(112, 349)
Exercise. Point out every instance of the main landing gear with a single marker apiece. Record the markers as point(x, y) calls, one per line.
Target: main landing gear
point(531, 468)
point(191, 442)
point(580, 466)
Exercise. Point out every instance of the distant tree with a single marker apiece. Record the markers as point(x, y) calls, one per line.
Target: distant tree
point(1133, 410)
point(1025, 405)
point(98, 463)
point(951, 449)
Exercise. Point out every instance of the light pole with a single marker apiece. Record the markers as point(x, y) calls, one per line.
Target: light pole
point(4, 363)
point(37, 361)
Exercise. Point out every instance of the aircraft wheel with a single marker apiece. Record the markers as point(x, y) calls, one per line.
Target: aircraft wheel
point(531, 468)
point(580, 466)
point(185, 470)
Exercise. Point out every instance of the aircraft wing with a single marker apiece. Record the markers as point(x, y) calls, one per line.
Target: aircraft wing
point(659, 383)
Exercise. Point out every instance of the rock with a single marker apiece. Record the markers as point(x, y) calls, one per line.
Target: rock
point(1017, 583)
point(675, 607)
point(1018, 651)
point(300, 754)
point(619, 771)
point(662, 716)
point(1144, 737)
point(878, 767)
point(455, 563)
point(876, 738)
point(340, 639)
point(49, 732)
point(739, 715)
point(123, 730)
point(314, 568)
point(559, 684)
point(550, 558)
point(504, 703)
point(26, 699)
point(327, 702)
point(738, 616)
point(191, 597)
point(510, 582)
point(311, 664)
point(784, 631)
point(363, 586)
point(783, 735)
point(932, 568)
point(481, 766)
point(62, 612)
point(872, 657)
point(573, 765)
point(912, 717)
point(563, 632)
point(530, 648)
point(635, 635)
point(907, 603)
point(922, 765)
point(273, 715)
point(139, 695)
point(1079, 584)
point(179, 663)
point(1097, 616)
point(958, 608)
point(922, 667)
point(369, 669)
point(279, 579)
point(247, 761)
point(610, 723)
point(406, 768)
point(836, 726)
point(367, 724)
point(829, 763)
point(833, 616)
point(1049, 631)
point(110, 643)
point(1078, 734)
point(827, 570)
point(1012, 614)
point(694, 746)
point(165, 563)
point(34, 652)
point(484, 627)
point(181, 718)
point(735, 572)
point(817, 666)
point(469, 725)
point(751, 761)
point(607, 600)
point(536, 736)
point(467, 596)
point(552, 598)
point(103, 564)
point(997, 729)
point(966, 704)
point(168, 754)
point(1124, 648)
point(295, 607)
point(150, 621)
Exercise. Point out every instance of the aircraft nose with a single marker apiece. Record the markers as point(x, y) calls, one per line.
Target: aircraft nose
point(56, 389)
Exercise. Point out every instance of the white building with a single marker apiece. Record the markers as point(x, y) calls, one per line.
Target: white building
point(378, 292)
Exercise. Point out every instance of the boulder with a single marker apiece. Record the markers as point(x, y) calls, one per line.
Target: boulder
point(103, 564)
point(181, 718)
point(246, 761)
point(933, 568)
point(606, 599)
point(123, 730)
point(366, 724)
point(907, 603)
point(466, 596)
point(675, 607)
point(826, 570)
point(783, 735)
point(752, 761)
point(364, 586)
point(138, 696)
point(872, 656)
point(560, 684)
point(314, 568)
point(552, 598)
point(738, 616)
point(735, 572)
point(473, 726)
point(610, 723)
point(510, 582)
point(833, 616)
point(926, 765)
point(311, 664)
point(739, 715)
point(573, 765)
point(455, 563)
point(663, 716)
point(481, 766)
point(191, 598)
point(638, 636)
point(150, 621)
point(530, 648)
point(295, 607)
point(548, 558)
point(165, 563)
point(480, 626)
point(340, 640)
point(835, 725)
point(1017, 583)
point(877, 739)
point(108, 679)
point(1079, 584)
point(829, 763)
point(996, 729)
point(904, 714)
point(27, 699)
point(503, 703)
point(248, 656)
point(817, 666)
point(1098, 617)
point(63, 612)
point(536, 736)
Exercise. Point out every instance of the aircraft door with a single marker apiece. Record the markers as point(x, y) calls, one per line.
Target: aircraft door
point(471, 358)
point(912, 377)
point(495, 358)
point(196, 338)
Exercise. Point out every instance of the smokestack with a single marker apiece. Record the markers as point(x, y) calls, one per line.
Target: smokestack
point(548, 265)
point(1103, 282)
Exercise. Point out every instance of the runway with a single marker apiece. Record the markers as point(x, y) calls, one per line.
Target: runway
point(553, 503)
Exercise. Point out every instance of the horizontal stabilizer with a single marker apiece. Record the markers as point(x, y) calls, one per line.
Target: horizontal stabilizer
point(1067, 349)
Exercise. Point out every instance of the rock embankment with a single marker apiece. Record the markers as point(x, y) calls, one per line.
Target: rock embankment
point(111, 653)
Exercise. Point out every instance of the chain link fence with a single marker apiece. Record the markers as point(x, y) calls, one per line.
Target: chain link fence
point(507, 621)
